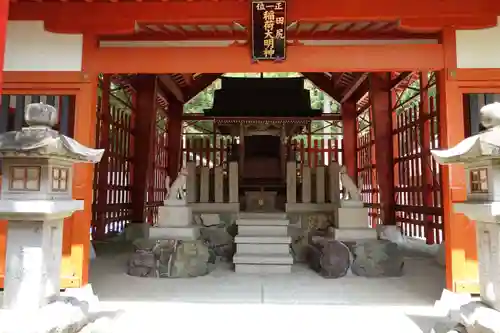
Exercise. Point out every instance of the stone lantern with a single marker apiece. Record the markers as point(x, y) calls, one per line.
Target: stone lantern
point(480, 155)
point(35, 198)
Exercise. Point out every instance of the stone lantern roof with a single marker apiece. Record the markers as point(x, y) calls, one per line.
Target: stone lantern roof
point(40, 140)
point(483, 146)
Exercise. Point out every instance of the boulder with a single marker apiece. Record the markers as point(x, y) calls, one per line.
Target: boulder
point(169, 259)
point(329, 258)
point(183, 259)
point(377, 258)
point(219, 241)
point(142, 264)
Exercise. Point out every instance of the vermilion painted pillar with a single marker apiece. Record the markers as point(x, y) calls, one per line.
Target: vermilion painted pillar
point(104, 137)
point(459, 232)
point(144, 130)
point(174, 129)
point(350, 138)
point(4, 15)
point(380, 99)
point(76, 236)
point(425, 145)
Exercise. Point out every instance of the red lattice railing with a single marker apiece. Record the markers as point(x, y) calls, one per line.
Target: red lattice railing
point(317, 152)
point(157, 180)
point(112, 206)
point(417, 180)
point(367, 175)
point(204, 152)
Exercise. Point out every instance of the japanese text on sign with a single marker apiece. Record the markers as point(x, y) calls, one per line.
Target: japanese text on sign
point(269, 29)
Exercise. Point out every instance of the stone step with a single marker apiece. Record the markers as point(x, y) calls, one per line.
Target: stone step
point(355, 234)
point(190, 233)
point(262, 269)
point(258, 222)
point(262, 248)
point(263, 259)
point(268, 230)
point(262, 216)
point(262, 239)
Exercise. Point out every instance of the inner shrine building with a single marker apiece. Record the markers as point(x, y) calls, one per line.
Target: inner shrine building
point(408, 78)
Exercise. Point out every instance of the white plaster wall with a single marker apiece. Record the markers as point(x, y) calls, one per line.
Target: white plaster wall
point(30, 48)
point(478, 48)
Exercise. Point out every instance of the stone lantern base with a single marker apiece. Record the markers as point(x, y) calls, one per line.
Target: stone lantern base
point(465, 315)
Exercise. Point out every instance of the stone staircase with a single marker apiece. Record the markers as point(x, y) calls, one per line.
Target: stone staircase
point(263, 244)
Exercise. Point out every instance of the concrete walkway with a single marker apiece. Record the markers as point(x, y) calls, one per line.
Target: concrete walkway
point(224, 301)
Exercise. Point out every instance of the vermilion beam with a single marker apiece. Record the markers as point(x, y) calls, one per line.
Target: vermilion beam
point(236, 59)
point(291, 36)
point(73, 16)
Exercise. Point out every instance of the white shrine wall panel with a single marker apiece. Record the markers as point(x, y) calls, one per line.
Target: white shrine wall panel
point(30, 48)
point(478, 48)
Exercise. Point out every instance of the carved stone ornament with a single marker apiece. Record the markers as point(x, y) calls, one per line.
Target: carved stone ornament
point(484, 145)
point(176, 191)
point(349, 185)
point(40, 140)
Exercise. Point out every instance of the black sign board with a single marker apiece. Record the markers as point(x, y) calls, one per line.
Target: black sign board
point(268, 30)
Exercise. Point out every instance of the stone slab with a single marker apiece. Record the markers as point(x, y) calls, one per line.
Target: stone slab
point(308, 208)
point(263, 248)
point(479, 318)
point(352, 217)
point(267, 230)
point(262, 240)
point(262, 216)
point(263, 259)
point(262, 221)
point(262, 269)
point(175, 216)
point(189, 233)
point(355, 234)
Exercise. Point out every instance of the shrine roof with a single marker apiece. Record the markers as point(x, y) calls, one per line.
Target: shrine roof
point(324, 32)
point(340, 86)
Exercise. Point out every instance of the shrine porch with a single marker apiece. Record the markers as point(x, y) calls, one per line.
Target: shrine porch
point(224, 299)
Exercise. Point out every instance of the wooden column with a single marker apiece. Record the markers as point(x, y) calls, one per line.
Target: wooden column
point(76, 233)
point(380, 99)
point(174, 130)
point(102, 191)
point(4, 14)
point(459, 232)
point(425, 146)
point(145, 129)
point(350, 138)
